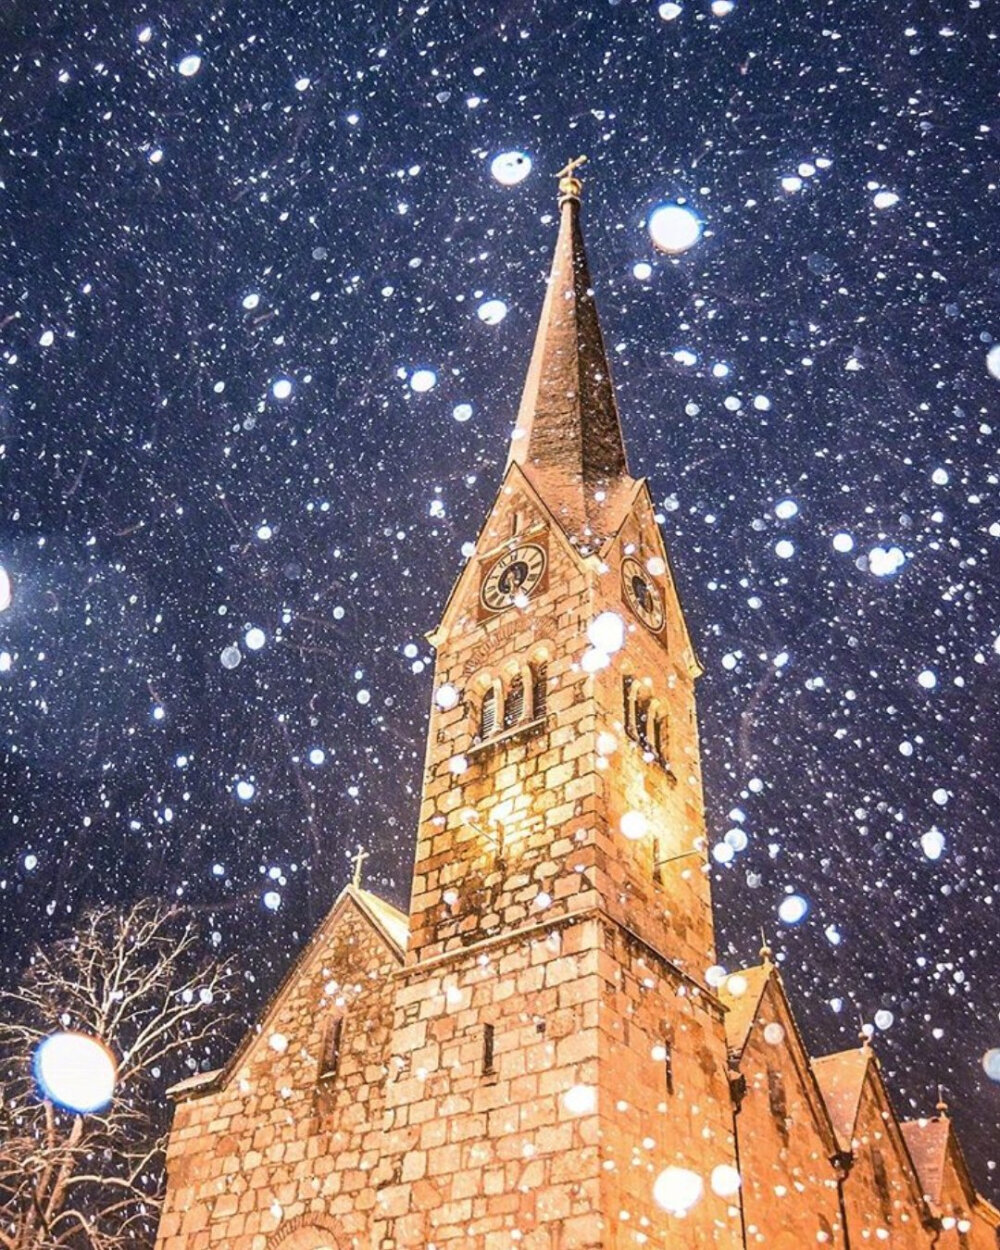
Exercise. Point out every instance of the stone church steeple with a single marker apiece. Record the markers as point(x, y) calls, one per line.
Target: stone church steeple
point(562, 756)
point(568, 437)
point(541, 1056)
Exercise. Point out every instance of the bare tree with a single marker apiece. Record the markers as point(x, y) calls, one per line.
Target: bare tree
point(137, 981)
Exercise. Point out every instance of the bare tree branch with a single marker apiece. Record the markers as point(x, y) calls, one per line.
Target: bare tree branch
point(136, 981)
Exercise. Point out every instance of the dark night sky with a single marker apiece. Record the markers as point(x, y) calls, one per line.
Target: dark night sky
point(157, 501)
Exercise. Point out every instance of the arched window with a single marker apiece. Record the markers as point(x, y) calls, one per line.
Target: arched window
point(642, 725)
point(539, 688)
point(513, 704)
point(488, 716)
point(661, 744)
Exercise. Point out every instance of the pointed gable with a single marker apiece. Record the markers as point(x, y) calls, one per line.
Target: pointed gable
point(841, 1078)
point(742, 1006)
point(388, 923)
point(927, 1142)
point(568, 437)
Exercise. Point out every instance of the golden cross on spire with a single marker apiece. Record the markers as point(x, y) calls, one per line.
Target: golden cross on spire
point(358, 859)
point(569, 185)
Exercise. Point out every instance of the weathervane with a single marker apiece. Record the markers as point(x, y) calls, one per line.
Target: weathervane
point(569, 185)
point(359, 859)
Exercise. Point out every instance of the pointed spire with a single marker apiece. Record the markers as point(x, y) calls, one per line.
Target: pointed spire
point(766, 953)
point(568, 438)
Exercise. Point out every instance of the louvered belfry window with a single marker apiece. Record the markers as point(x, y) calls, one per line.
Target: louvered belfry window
point(513, 708)
point(488, 719)
point(539, 688)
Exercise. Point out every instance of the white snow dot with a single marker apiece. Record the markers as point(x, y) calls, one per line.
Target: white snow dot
point(76, 1071)
point(363, 696)
point(251, 301)
point(606, 632)
point(774, 1034)
point(792, 909)
point(423, 380)
point(6, 589)
point(721, 8)
point(940, 477)
point(272, 900)
point(843, 542)
point(883, 1019)
point(492, 311)
point(189, 65)
point(302, 84)
point(510, 168)
point(245, 790)
point(446, 696)
point(677, 1190)
point(785, 509)
point(725, 1180)
point(317, 756)
point(784, 549)
point(761, 403)
point(46, 338)
point(634, 825)
point(642, 270)
point(230, 656)
point(580, 1099)
point(669, 11)
point(462, 412)
point(674, 229)
point(281, 388)
point(885, 199)
point(254, 638)
point(927, 679)
point(993, 361)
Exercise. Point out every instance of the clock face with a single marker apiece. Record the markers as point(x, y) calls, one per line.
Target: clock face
point(642, 595)
point(516, 573)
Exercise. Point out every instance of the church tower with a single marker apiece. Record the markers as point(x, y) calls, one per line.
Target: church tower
point(535, 1058)
point(560, 1047)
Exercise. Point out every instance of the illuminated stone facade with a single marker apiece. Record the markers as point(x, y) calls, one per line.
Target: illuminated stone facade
point(535, 1058)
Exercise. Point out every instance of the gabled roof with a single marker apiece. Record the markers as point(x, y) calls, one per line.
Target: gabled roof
point(841, 1078)
point(394, 924)
point(933, 1145)
point(927, 1142)
point(388, 921)
point(741, 1009)
point(568, 437)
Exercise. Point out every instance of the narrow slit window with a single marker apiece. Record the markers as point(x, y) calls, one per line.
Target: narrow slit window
point(882, 1183)
point(778, 1103)
point(668, 1067)
point(513, 708)
point(488, 718)
point(330, 1062)
point(488, 1067)
point(627, 701)
point(539, 688)
point(642, 723)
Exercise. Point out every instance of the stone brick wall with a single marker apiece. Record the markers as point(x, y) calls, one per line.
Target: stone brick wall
point(651, 1118)
point(548, 793)
point(789, 1180)
point(870, 1218)
point(276, 1150)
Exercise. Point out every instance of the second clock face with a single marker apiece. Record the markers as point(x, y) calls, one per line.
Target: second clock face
point(642, 595)
point(517, 572)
